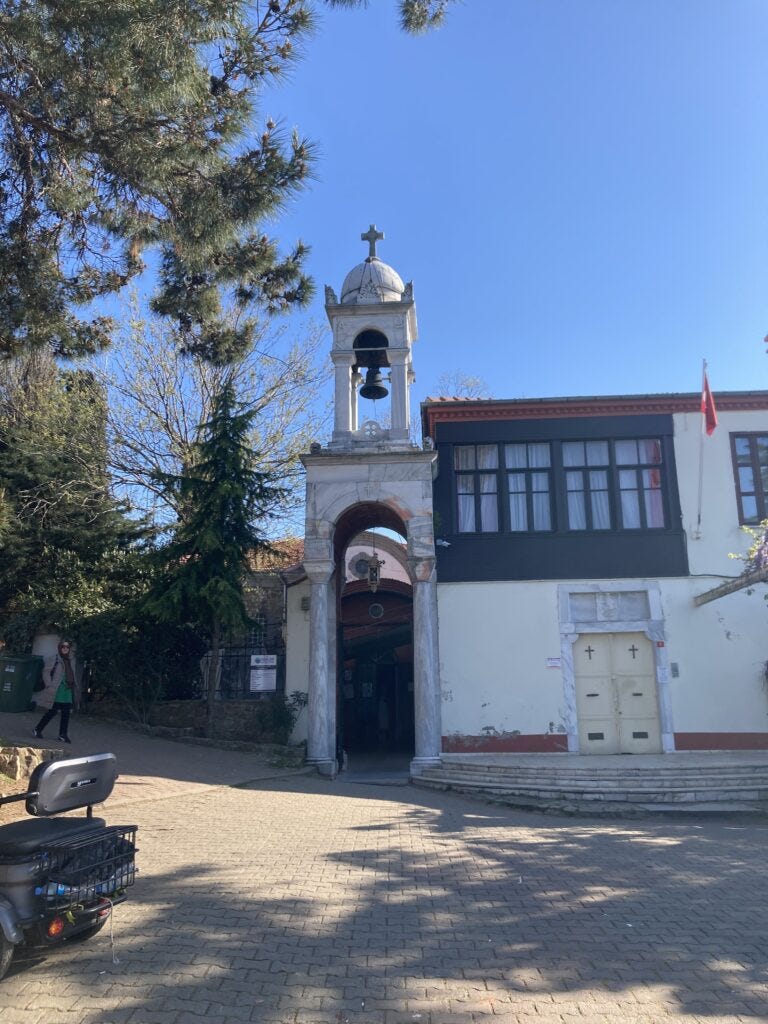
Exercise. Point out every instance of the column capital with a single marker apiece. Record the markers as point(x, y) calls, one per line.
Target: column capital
point(342, 357)
point(318, 571)
point(422, 568)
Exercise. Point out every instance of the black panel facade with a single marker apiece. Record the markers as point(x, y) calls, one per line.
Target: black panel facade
point(500, 550)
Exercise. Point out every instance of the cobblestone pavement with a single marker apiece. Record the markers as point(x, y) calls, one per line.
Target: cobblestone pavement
point(302, 900)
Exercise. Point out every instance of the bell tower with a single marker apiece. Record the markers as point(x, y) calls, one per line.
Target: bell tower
point(374, 328)
point(370, 474)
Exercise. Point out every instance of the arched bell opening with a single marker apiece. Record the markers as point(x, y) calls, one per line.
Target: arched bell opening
point(369, 371)
point(375, 678)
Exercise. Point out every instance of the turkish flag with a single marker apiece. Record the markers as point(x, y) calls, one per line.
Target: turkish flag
point(708, 409)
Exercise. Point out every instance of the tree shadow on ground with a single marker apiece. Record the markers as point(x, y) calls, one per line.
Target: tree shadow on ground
point(309, 901)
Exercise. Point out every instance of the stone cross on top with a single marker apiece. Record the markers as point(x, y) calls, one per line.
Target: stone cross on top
point(372, 236)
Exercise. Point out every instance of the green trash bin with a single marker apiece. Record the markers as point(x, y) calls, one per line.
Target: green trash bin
point(18, 675)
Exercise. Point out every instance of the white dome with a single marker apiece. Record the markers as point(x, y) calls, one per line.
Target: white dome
point(372, 281)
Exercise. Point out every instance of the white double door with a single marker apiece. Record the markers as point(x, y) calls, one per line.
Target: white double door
point(616, 696)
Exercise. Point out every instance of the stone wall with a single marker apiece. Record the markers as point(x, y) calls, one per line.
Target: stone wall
point(19, 762)
point(252, 721)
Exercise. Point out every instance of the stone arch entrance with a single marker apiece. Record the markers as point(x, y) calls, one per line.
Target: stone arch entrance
point(386, 718)
point(375, 685)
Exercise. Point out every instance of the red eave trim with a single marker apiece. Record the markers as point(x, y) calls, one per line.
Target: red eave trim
point(449, 410)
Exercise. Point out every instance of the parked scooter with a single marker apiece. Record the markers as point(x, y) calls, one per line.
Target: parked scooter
point(61, 877)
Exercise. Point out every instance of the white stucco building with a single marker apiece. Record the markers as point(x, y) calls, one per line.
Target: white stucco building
point(554, 551)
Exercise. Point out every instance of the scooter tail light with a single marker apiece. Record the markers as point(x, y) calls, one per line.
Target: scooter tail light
point(55, 927)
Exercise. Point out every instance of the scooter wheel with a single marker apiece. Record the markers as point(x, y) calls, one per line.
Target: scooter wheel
point(6, 954)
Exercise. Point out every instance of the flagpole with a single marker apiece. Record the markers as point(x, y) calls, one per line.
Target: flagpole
point(701, 448)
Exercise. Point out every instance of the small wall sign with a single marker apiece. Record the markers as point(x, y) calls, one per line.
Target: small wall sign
point(263, 672)
point(553, 663)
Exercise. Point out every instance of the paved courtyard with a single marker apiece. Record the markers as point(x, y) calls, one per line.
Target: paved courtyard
point(295, 899)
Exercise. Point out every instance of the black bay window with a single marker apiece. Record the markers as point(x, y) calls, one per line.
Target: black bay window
point(565, 486)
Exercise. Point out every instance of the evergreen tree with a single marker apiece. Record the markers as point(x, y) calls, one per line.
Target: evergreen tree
point(59, 523)
point(225, 498)
point(127, 127)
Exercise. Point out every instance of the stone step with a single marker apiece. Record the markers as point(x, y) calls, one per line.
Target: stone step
point(714, 792)
point(650, 780)
point(623, 771)
point(632, 807)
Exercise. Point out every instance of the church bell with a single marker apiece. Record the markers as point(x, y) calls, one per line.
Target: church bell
point(374, 385)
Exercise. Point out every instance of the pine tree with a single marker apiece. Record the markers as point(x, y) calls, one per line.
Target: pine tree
point(129, 127)
point(59, 522)
point(225, 497)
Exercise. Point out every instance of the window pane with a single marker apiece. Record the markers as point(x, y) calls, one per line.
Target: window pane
point(597, 453)
point(487, 456)
point(518, 511)
point(489, 506)
point(598, 480)
point(654, 509)
point(762, 450)
point(465, 456)
point(577, 516)
point(601, 510)
point(516, 483)
point(746, 480)
point(749, 509)
point(650, 452)
point(542, 512)
point(465, 484)
point(538, 455)
point(466, 513)
point(573, 453)
point(626, 453)
point(540, 481)
point(489, 513)
point(627, 478)
point(742, 447)
point(514, 456)
point(574, 481)
point(630, 510)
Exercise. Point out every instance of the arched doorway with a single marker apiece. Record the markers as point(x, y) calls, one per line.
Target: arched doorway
point(375, 679)
point(375, 688)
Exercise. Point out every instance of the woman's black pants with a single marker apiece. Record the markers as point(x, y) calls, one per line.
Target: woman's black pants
point(63, 725)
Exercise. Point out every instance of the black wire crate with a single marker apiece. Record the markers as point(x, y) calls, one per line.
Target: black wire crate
point(79, 871)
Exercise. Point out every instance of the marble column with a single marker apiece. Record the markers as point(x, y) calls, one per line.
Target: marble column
point(426, 666)
point(342, 405)
point(321, 743)
point(398, 378)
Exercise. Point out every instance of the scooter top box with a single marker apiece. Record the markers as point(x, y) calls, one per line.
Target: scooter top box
point(58, 786)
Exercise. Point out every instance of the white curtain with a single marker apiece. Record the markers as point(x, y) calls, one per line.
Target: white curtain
point(654, 506)
point(601, 507)
point(487, 456)
point(518, 509)
point(489, 505)
point(542, 512)
point(466, 488)
point(630, 504)
point(577, 513)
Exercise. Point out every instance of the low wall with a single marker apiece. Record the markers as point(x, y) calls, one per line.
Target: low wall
point(19, 762)
point(251, 721)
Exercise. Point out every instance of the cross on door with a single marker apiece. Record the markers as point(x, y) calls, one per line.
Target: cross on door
point(589, 651)
point(633, 650)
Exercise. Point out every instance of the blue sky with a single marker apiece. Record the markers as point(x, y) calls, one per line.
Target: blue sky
point(577, 188)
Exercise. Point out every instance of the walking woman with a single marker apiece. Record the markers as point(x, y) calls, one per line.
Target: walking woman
point(59, 696)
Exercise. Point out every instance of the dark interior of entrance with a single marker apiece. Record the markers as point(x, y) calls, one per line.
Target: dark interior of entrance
point(375, 690)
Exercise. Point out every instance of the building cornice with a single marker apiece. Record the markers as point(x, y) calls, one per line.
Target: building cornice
point(451, 410)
